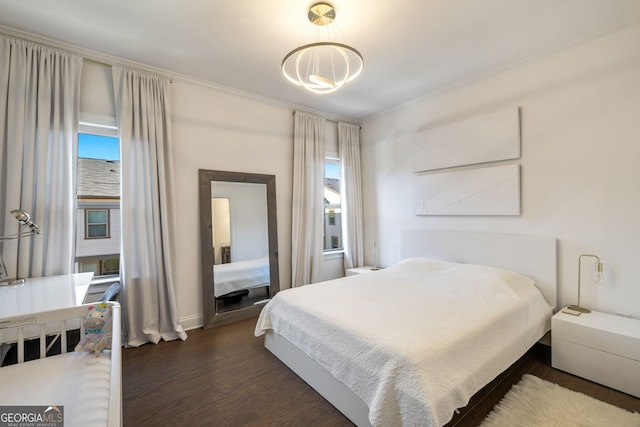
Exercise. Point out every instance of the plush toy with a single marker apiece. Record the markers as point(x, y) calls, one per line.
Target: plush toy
point(95, 340)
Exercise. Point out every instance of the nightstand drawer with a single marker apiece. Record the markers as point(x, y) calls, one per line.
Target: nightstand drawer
point(599, 366)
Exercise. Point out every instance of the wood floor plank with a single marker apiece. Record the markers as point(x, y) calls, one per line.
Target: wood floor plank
point(225, 377)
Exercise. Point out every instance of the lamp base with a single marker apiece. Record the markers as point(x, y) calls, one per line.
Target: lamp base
point(12, 282)
point(578, 308)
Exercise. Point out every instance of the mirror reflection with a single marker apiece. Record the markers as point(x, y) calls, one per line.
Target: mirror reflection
point(238, 244)
point(221, 230)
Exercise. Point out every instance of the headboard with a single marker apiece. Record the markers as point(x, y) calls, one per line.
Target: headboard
point(533, 256)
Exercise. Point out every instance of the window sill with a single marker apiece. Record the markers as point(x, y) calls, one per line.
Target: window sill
point(339, 253)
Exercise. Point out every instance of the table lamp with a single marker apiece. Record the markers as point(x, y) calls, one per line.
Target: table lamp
point(24, 219)
point(598, 279)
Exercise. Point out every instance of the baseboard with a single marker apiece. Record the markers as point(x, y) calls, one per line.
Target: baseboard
point(192, 322)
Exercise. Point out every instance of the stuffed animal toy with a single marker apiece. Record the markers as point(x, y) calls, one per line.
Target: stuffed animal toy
point(95, 340)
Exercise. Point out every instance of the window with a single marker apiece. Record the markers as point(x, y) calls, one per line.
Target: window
point(98, 196)
point(96, 223)
point(332, 223)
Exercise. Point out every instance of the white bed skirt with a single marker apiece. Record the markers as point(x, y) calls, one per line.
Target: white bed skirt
point(321, 380)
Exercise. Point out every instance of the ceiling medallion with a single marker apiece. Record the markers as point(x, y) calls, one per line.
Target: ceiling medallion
point(322, 67)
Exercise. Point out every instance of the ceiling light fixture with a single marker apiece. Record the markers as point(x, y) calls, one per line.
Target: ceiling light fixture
point(322, 67)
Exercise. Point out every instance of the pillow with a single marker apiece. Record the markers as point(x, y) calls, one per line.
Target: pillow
point(517, 281)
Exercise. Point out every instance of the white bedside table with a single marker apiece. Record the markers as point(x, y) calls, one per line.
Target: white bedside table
point(600, 347)
point(361, 270)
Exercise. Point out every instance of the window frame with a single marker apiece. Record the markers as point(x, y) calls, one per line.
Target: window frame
point(87, 224)
point(106, 126)
point(332, 159)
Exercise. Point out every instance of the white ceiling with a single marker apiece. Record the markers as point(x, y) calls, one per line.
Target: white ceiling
point(410, 47)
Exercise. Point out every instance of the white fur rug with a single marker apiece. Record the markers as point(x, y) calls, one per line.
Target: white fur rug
point(535, 402)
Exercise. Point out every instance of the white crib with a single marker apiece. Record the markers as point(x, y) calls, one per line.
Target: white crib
point(88, 389)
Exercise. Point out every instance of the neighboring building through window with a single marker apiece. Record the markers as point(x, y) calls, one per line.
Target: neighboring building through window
point(98, 200)
point(332, 211)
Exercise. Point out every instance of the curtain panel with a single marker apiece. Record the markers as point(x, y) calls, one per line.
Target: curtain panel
point(307, 216)
point(39, 110)
point(351, 189)
point(143, 111)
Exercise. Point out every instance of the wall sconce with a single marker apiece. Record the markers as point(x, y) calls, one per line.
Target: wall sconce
point(598, 279)
point(24, 219)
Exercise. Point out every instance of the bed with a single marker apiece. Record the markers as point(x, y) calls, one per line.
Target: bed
point(86, 389)
point(240, 275)
point(468, 304)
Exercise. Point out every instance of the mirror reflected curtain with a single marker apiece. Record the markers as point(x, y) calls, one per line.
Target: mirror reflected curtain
point(238, 244)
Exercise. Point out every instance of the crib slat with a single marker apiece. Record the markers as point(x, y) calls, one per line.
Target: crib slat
point(43, 341)
point(20, 344)
point(63, 337)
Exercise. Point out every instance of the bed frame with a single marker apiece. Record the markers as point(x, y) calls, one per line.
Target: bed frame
point(43, 376)
point(533, 256)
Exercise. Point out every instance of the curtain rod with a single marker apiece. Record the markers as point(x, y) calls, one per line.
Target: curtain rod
point(293, 113)
point(105, 64)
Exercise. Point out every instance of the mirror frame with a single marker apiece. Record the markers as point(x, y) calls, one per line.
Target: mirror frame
point(205, 177)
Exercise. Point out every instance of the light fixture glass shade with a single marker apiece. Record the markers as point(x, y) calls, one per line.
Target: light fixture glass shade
point(599, 275)
point(322, 67)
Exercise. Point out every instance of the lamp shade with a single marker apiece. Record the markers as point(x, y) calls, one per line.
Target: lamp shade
point(24, 218)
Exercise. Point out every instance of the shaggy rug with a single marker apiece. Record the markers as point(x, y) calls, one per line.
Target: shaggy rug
point(535, 402)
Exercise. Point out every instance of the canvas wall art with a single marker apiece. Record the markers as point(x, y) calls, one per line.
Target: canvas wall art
point(480, 191)
point(486, 138)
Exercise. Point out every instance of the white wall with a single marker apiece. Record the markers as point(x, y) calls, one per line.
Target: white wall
point(247, 216)
point(580, 112)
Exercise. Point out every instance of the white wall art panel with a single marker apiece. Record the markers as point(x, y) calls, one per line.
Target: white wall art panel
point(487, 138)
point(481, 191)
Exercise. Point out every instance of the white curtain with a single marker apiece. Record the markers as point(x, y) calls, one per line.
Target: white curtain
point(39, 109)
point(147, 207)
point(308, 207)
point(351, 189)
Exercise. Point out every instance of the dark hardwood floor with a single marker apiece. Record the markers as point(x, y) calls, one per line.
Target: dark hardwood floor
point(225, 377)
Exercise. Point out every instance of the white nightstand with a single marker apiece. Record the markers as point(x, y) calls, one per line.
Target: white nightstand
point(600, 347)
point(360, 270)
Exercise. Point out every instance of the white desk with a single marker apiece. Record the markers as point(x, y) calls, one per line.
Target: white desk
point(44, 293)
point(41, 294)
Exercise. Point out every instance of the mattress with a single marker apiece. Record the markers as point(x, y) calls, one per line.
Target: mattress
point(66, 380)
point(416, 340)
point(240, 275)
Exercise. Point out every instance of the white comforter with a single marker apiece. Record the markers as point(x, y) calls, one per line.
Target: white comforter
point(414, 341)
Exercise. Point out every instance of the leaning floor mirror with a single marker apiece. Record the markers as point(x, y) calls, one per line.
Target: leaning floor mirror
point(239, 244)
